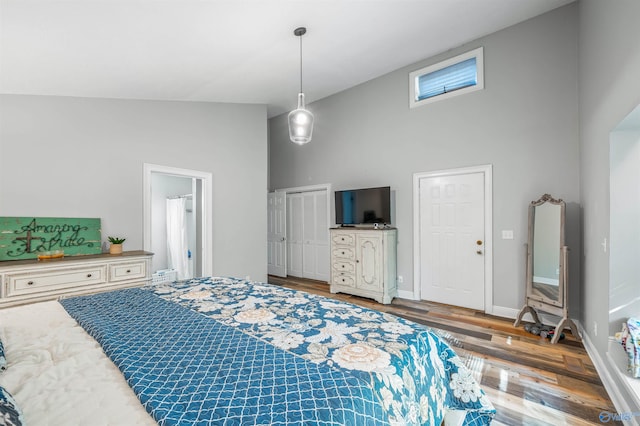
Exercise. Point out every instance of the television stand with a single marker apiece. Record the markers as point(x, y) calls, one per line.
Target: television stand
point(363, 262)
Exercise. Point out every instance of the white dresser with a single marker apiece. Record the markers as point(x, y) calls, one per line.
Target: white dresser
point(363, 262)
point(27, 281)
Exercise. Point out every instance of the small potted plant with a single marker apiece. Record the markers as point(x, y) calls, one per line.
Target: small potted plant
point(116, 245)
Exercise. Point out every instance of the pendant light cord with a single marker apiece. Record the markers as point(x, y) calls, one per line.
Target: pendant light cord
point(300, 63)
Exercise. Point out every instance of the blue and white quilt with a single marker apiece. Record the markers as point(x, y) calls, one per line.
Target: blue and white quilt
point(230, 351)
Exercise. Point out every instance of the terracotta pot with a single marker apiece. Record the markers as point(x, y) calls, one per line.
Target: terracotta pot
point(115, 249)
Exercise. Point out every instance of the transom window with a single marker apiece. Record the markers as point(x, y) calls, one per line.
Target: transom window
point(455, 76)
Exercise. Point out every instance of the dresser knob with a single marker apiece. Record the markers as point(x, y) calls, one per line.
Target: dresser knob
point(88, 275)
point(30, 283)
point(128, 271)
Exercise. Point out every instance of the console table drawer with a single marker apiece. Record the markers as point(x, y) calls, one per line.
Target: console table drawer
point(55, 279)
point(127, 271)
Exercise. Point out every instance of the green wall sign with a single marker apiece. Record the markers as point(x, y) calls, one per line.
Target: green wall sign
point(26, 237)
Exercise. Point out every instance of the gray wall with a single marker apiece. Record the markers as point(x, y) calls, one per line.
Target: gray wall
point(609, 70)
point(525, 123)
point(83, 157)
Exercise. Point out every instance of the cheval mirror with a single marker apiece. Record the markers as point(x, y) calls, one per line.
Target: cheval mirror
point(547, 266)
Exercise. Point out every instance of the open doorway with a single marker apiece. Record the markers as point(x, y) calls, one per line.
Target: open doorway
point(177, 221)
point(624, 243)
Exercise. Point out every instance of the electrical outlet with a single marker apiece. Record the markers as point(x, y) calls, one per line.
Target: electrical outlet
point(507, 234)
point(595, 329)
point(400, 279)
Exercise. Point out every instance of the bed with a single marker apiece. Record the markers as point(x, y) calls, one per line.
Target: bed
point(233, 352)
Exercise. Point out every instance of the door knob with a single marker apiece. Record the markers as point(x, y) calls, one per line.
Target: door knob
point(479, 242)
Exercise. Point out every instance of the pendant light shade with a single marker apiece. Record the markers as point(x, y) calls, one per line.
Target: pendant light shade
point(300, 123)
point(300, 119)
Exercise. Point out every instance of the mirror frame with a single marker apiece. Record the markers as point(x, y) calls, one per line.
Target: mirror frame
point(562, 276)
point(535, 302)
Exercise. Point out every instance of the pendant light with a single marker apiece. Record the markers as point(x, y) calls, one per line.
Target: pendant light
point(300, 119)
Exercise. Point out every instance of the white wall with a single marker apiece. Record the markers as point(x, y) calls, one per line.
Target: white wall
point(524, 123)
point(79, 157)
point(609, 70)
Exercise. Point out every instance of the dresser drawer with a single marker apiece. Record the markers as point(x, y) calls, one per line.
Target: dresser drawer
point(349, 267)
point(343, 238)
point(344, 253)
point(127, 271)
point(54, 279)
point(344, 279)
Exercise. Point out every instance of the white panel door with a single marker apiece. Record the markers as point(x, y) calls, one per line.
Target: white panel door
point(315, 262)
point(277, 233)
point(309, 235)
point(294, 234)
point(322, 262)
point(452, 239)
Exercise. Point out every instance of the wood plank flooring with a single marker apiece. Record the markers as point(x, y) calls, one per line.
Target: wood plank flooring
point(529, 380)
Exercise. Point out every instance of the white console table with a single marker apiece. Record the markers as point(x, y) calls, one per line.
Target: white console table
point(27, 281)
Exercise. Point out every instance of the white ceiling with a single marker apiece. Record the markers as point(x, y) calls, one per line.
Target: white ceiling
point(231, 50)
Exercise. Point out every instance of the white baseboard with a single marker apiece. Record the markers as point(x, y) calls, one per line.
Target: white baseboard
point(619, 401)
point(406, 294)
point(501, 311)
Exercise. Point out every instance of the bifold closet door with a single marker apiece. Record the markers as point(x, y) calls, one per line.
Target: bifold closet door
point(294, 234)
point(308, 235)
point(315, 227)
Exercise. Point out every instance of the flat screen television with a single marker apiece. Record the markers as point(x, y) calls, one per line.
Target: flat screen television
point(363, 206)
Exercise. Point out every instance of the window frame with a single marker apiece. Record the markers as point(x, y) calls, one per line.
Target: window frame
point(477, 53)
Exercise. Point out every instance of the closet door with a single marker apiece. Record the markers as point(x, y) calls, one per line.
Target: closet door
point(277, 234)
point(294, 234)
point(315, 264)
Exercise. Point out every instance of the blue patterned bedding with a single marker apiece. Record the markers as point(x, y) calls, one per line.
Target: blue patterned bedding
point(229, 351)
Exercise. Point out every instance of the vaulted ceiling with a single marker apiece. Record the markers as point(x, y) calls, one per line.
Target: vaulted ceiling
point(231, 51)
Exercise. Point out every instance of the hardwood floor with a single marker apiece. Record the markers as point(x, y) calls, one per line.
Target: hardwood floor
point(529, 380)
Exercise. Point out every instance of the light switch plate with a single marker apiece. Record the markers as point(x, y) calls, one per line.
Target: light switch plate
point(507, 234)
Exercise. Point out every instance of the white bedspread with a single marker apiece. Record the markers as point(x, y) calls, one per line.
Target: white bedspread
point(59, 375)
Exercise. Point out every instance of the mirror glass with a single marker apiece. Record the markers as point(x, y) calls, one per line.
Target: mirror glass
point(546, 244)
